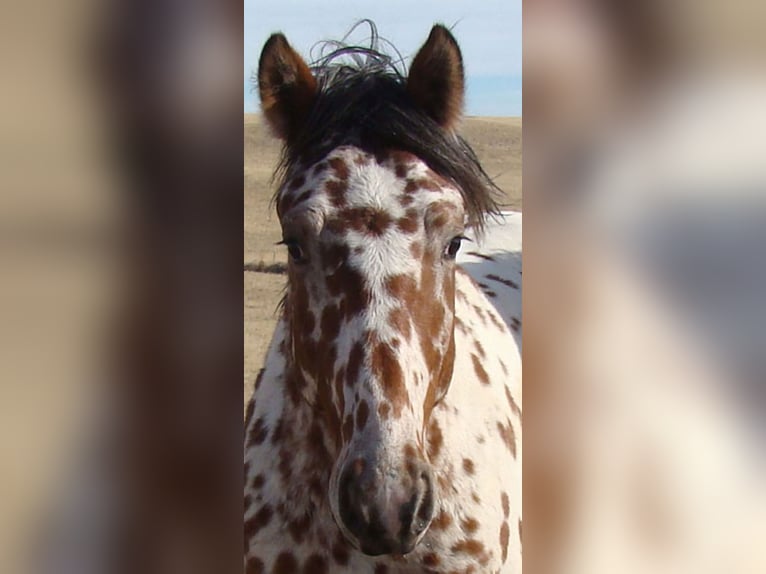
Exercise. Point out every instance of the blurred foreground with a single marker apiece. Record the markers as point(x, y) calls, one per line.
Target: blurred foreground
point(645, 281)
point(121, 291)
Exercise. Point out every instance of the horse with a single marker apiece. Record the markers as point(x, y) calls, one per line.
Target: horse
point(383, 435)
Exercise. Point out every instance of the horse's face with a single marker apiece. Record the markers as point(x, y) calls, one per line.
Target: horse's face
point(372, 242)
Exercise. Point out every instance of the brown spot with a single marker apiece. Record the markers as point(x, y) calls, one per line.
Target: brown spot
point(304, 196)
point(285, 203)
point(409, 223)
point(297, 182)
point(504, 536)
point(399, 320)
point(362, 220)
point(431, 560)
point(515, 324)
point(416, 249)
point(440, 214)
point(285, 466)
point(468, 466)
point(385, 366)
point(414, 185)
point(362, 412)
point(480, 349)
point(298, 528)
point(279, 431)
point(468, 546)
point(342, 279)
point(442, 521)
point(340, 551)
point(505, 503)
point(435, 440)
point(340, 168)
point(381, 569)
point(254, 566)
point(336, 191)
point(514, 407)
point(480, 372)
point(469, 525)
point(330, 323)
point(258, 433)
point(316, 564)
point(258, 521)
point(285, 564)
point(258, 481)
point(496, 322)
point(508, 436)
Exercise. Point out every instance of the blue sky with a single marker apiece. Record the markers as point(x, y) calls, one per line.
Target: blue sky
point(488, 31)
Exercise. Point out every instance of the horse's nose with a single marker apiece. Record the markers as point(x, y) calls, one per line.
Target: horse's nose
point(387, 514)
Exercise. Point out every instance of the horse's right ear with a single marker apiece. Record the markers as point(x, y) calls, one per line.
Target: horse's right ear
point(286, 86)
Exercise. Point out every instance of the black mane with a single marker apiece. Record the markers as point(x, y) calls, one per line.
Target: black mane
point(362, 101)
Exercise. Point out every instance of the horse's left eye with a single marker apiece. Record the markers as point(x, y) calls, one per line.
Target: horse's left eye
point(453, 247)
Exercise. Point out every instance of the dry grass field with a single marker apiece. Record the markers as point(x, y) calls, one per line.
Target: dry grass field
point(497, 142)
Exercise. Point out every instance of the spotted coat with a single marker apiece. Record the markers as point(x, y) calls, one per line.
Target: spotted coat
point(387, 353)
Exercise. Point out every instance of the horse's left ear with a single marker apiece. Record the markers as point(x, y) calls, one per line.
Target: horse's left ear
point(435, 82)
point(286, 86)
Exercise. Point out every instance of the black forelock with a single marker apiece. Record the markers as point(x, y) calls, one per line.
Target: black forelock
point(362, 101)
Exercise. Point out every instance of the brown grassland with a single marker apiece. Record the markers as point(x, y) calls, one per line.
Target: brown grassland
point(497, 142)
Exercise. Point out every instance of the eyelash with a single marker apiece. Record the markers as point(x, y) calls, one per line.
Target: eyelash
point(293, 249)
point(452, 248)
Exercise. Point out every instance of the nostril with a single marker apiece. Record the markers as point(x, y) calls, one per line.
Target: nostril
point(416, 514)
point(385, 516)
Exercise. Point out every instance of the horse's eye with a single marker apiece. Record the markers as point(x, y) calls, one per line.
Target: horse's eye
point(452, 247)
point(294, 249)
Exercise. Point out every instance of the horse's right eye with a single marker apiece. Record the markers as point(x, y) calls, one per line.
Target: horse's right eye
point(294, 250)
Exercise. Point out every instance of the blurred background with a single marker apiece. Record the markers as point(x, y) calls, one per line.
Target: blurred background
point(121, 221)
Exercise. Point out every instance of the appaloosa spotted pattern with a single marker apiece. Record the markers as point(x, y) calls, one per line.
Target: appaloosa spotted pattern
point(384, 432)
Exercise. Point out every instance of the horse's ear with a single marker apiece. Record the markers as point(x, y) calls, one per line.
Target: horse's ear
point(435, 82)
point(286, 87)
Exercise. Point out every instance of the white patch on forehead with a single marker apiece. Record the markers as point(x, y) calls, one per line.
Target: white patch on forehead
point(372, 185)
